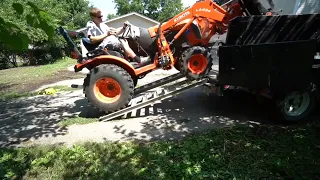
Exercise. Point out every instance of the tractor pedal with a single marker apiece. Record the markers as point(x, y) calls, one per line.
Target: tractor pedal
point(135, 64)
point(76, 86)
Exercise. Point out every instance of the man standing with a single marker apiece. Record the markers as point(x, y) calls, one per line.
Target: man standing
point(99, 32)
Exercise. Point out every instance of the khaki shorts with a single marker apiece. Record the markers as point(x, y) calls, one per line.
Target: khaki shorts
point(111, 40)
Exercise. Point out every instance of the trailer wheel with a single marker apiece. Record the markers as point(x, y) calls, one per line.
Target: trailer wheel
point(195, 62)
point(296, 106)
point(109, 87)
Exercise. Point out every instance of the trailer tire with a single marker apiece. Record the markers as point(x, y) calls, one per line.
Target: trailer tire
point(109, 87)
point(300, 105)
point(195, 62)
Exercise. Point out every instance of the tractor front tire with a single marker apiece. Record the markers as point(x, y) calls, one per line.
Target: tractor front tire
point(196, 62)
point(109, 87)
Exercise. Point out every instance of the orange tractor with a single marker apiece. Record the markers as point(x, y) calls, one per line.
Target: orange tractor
point(182, 42)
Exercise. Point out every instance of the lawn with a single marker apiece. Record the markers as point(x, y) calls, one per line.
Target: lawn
point(76, 120)
point(9, 95)
point(259, 152)
point(26, 79)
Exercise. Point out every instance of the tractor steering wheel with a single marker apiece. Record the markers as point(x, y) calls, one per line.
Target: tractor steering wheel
point(127, 29)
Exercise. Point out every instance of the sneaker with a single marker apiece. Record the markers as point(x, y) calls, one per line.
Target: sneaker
point(145, 60)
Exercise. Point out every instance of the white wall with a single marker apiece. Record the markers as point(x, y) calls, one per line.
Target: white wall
point(133, 19)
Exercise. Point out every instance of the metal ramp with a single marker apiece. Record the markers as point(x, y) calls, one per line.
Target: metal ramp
point(163, 89)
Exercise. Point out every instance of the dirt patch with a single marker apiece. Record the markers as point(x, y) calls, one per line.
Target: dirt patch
point(30, 85)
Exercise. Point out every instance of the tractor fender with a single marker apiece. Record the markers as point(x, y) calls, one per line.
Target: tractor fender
point(107, 59)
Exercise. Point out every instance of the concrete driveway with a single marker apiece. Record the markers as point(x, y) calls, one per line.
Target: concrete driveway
point(34, 120)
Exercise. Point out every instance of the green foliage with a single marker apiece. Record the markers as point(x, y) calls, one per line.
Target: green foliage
point(155, 9)
point(18, 8)
point(30, 27)
point(14, 37)
point(261, 152)
point(111, 16)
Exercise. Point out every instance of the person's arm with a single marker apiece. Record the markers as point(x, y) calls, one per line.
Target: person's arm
point(92, 36)
point(120, 30)
point(97, 39)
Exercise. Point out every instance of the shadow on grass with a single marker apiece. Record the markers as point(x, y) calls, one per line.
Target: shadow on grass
point(241, 152)
point(257, 148)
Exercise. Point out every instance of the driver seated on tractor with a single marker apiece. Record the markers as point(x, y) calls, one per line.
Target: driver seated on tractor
point(102, 34)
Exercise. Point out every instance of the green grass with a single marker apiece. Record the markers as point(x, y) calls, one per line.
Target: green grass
point(64, 88)
point(33, 73)
point(261, 152)
point(76, 120)
point(5, 96)
point(26, 79)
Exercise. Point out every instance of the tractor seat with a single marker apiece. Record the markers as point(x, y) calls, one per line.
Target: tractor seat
point(88, 45)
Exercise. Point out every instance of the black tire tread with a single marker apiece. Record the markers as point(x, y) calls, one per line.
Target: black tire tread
point(185, 56)
point(108, 68)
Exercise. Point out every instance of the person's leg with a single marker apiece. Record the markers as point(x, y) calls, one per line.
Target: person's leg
point(127, 48)
point(133, 55)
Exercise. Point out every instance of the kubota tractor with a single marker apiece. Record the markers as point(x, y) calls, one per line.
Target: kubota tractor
point(181, 42)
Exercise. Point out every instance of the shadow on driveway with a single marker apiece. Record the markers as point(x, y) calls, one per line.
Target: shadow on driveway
point(190, 112)
point(193, 111)
point(31, 118)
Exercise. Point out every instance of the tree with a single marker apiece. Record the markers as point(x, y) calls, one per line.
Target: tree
point(14, 37)
point(155, 9)
point(111, 16)
point(34, 23)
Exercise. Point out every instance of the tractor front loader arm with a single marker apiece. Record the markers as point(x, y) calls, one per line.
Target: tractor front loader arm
point(203, 9)
point(217, 19)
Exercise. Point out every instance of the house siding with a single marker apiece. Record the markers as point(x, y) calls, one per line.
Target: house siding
point(134, 19)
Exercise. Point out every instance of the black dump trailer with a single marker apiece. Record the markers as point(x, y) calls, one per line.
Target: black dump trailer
point(274, 55)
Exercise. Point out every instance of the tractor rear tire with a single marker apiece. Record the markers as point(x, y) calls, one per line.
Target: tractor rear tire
point(109, 87)
point(196, 62)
